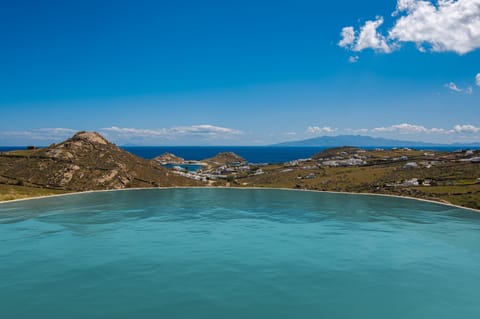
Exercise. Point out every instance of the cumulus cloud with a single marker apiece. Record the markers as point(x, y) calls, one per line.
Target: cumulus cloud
point(194, 130)
point(204, 130)
point(446, 25)
point(477, 79)
point(194, 134)
point(360, 131)
point(320, 130)
point(348, 37)
point(403, 128)
point(41, 135)
point(406, 128)
point(369, 37)
point(467, 128)
point(37, 137)
point(135, 131)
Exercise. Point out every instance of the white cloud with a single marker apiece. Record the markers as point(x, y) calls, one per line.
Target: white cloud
point(453, 87)
point(204, 130)
point(447, 25)
point(169, 133)
point(466, 128)
point(406, 128)
point(361, 131)
point(477, 79)
point(369, 37)
point(357, 131)
point(435, 130)
point(57, 130)
point(179, 135)
point(320, 130)
point(348, 37)
point(135, 132)
point(403, 128)
point(41, 135)
point(353, 59)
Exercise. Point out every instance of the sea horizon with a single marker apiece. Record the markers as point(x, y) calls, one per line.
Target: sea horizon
point(253, 154)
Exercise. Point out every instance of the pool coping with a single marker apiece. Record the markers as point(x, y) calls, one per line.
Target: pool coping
point(444, 203)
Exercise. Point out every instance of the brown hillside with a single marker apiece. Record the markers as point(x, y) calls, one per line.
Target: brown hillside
point(87, 161)
point(225, 159)
point(336, 151)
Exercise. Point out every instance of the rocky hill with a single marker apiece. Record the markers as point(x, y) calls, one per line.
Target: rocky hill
point(226, 158)
point(87, 161)
point(169, 158)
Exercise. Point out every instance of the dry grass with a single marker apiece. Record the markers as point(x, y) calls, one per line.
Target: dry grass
point(456, 183)
point(11, 192)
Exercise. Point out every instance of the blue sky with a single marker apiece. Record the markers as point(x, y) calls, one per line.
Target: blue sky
point(239, 73)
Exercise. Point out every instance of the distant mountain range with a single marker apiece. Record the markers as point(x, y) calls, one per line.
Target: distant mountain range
point(367, 141)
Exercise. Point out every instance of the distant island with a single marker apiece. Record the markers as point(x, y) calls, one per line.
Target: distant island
point(367, 141)
point(87, 161)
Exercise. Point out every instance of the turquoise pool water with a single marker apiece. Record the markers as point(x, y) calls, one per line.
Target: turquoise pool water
point(226, 253)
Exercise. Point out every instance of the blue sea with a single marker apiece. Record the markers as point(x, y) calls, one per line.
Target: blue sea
point(253, 154)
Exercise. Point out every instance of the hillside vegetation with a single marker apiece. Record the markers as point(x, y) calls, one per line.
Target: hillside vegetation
point(87, 161)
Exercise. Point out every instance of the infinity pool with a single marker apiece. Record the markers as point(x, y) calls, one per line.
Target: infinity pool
point(237, 253)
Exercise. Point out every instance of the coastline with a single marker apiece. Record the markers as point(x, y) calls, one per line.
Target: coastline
point(444, 203)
